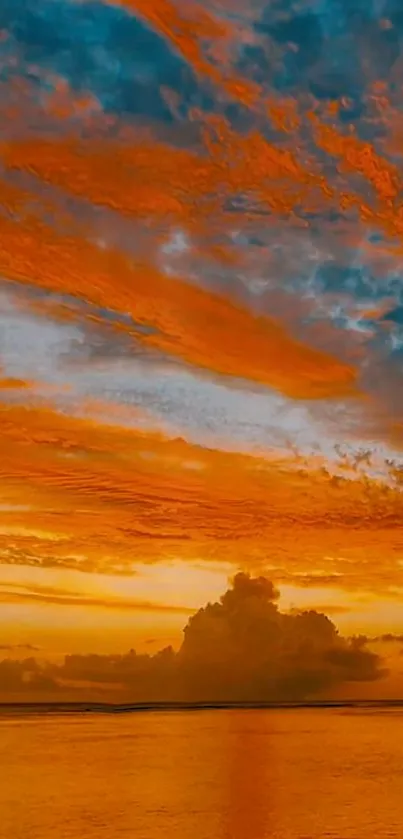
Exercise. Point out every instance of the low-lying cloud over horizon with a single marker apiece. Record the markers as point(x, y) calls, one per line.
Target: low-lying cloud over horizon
point(241, 648)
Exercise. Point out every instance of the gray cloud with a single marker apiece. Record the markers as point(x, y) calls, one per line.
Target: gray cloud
point(388, 638)
point(241, 648)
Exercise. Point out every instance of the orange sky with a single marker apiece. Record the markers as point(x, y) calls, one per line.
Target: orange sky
point(200, 336)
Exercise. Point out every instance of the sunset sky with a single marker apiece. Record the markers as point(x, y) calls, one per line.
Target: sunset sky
point(201, 320)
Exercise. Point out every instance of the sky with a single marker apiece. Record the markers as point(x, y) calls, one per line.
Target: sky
point(201, 346)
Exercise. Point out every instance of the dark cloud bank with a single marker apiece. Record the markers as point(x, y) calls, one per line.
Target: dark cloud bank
point(240, 649)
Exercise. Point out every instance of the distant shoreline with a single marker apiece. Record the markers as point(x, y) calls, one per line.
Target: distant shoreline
point(141, 707)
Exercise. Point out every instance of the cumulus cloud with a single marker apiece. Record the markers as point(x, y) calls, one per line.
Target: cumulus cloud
point(242, 648)
point(390, 638)
point(26, 677)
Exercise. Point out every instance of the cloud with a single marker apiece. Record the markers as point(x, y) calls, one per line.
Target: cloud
point(389, 638)
point(13, 384)
point(26, 677)
point(241, 648)
point(123, 484)
point(196, 326)
point(279, 165)
point(96, 363)
point(244, 646)
point(19, 593)
point(329, 609)
point(129, 126)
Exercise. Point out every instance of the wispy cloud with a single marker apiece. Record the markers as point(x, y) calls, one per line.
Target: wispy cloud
point(16, 593)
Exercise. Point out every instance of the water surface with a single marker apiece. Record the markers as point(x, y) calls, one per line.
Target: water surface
point(280, 774)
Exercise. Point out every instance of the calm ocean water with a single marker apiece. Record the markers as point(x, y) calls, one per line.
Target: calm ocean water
point(287, 774)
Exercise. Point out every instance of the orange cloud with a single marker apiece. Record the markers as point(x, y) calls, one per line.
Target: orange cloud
point(144, 177)
point(198, 326)
point(186, 32)
point(19, 593)
point(99, 497)
point(9, 383)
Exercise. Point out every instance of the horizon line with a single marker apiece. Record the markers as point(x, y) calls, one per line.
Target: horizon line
point(133, 707)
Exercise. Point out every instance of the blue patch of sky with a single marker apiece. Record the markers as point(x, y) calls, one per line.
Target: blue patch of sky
point(342, 294)
point(100, 49)
point(332, 49)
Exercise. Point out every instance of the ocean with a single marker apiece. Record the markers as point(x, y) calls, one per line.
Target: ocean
point(212, 774)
